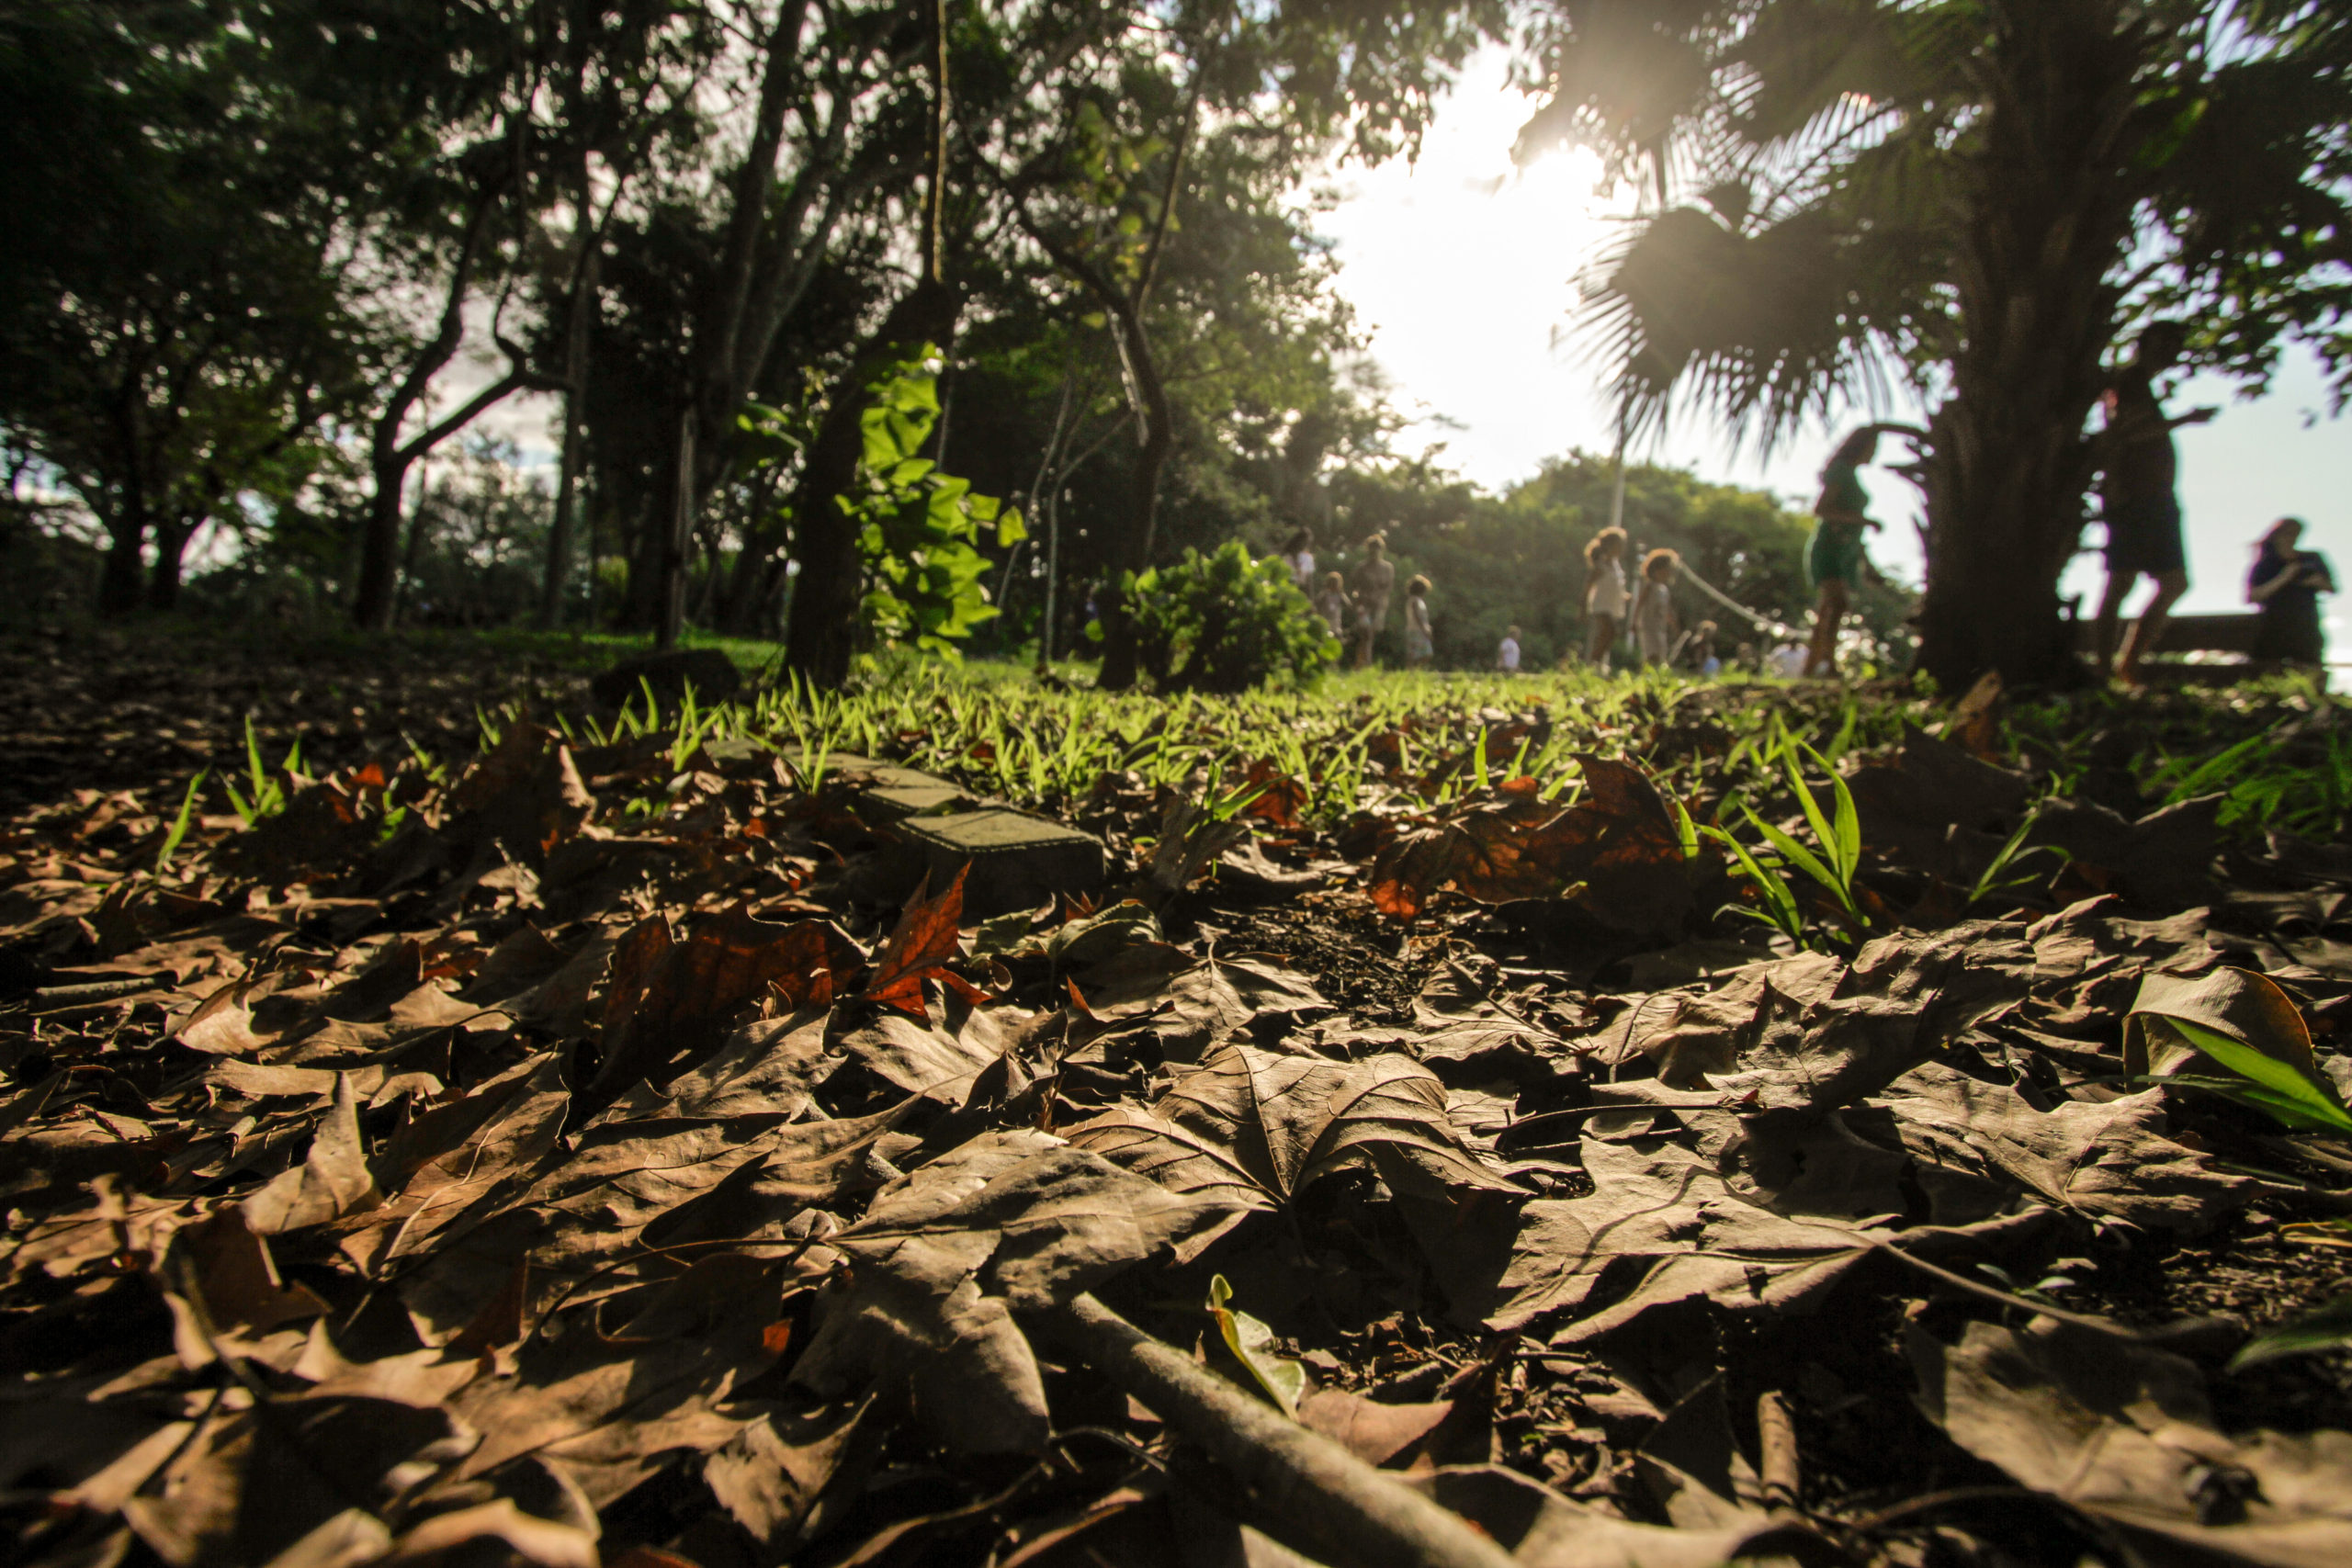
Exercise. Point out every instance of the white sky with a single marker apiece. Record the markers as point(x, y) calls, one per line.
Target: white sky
point(1463, 270)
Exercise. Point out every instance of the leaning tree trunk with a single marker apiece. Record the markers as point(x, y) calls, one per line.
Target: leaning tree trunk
point(821, 635)
point(2049, 221)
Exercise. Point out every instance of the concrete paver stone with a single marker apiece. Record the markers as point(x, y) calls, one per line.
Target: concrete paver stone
point(1017, 861)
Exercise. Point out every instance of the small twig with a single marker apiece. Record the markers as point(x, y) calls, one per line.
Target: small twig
point(1776, 1442)
point(1336, 1506)
point(1988, 1293)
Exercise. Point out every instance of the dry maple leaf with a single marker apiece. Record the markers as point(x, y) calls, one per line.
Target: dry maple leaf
point(1253, 1127)
point(2123, 1432)
point(920, 947)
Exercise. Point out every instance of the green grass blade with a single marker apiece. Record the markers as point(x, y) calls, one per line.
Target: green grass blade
point(2327, 1328)
point(2281, 1090)
point(180, 823)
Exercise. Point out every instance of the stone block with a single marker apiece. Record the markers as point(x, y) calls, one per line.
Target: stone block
point(896, 803)
point(1018, 860)
point(838, 764)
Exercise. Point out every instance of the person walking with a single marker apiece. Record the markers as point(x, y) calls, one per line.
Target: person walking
point(1420, 645)
point(1655, 625)
point(1833, 557)
point(1507, 652)
point(2139, 470)
point(1375, 581)
point(1604, 593)
point(2284, 587)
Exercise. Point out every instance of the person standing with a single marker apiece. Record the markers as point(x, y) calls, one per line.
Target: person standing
point(1420, 645)
point(1375, 581)
point(2284, 587)
point(1507, 652)
point(1299, 556)
point(2139, 469)
point(1604, 593)
point(1332, 604)
point(1654, 626)
point(1833, 557)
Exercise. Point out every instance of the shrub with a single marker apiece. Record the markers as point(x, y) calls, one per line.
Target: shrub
point(1225, 622)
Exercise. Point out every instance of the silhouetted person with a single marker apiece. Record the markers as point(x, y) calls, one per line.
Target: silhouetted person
point(2284, 586)
point(2139, 470)
point(1833, 557)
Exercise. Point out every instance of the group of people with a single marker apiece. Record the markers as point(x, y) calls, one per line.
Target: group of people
point(2139, 470)
point(1356, 613)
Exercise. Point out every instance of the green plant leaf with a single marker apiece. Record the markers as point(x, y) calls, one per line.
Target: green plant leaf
point(2327, 1328)
point(180, 823)
point(2283, 1091)
point(1796, 855)
point(1251, 1343)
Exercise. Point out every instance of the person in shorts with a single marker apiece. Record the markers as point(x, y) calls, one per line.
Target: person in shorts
point(2139, 469)
point(1833, 557)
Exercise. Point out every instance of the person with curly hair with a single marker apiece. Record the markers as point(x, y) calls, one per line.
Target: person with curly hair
point(1655, 625)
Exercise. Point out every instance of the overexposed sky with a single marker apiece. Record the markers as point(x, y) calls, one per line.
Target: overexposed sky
point(1464, 270)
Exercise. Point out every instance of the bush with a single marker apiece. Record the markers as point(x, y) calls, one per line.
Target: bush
point(1226, 623)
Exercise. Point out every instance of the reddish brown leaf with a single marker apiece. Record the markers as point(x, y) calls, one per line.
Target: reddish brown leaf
point(923, 940)
point(1281, 798)
point(669, 1001)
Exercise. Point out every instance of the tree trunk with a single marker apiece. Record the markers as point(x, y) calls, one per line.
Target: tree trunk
point(575, 384)
point(820, 634)
point(171, 540)
point(119, 583)
point(379, 546)
point(2007, 464)
point(677, 538)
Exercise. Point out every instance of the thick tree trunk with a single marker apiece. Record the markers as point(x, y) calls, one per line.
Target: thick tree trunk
point(2007, 464)
point(575, 384)
point(380, 546)
point(171, 540)
point(821, 635)
point(119, 583)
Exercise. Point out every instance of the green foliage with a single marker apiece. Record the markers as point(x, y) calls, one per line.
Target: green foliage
point(1517, 559)
point(177, 834)
point(919, 529)
point(267, 788)
point(1830, 862)
point(1252, 1344)
point(2327, 1327)
point(1224, 623)
point(2279, 1089)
